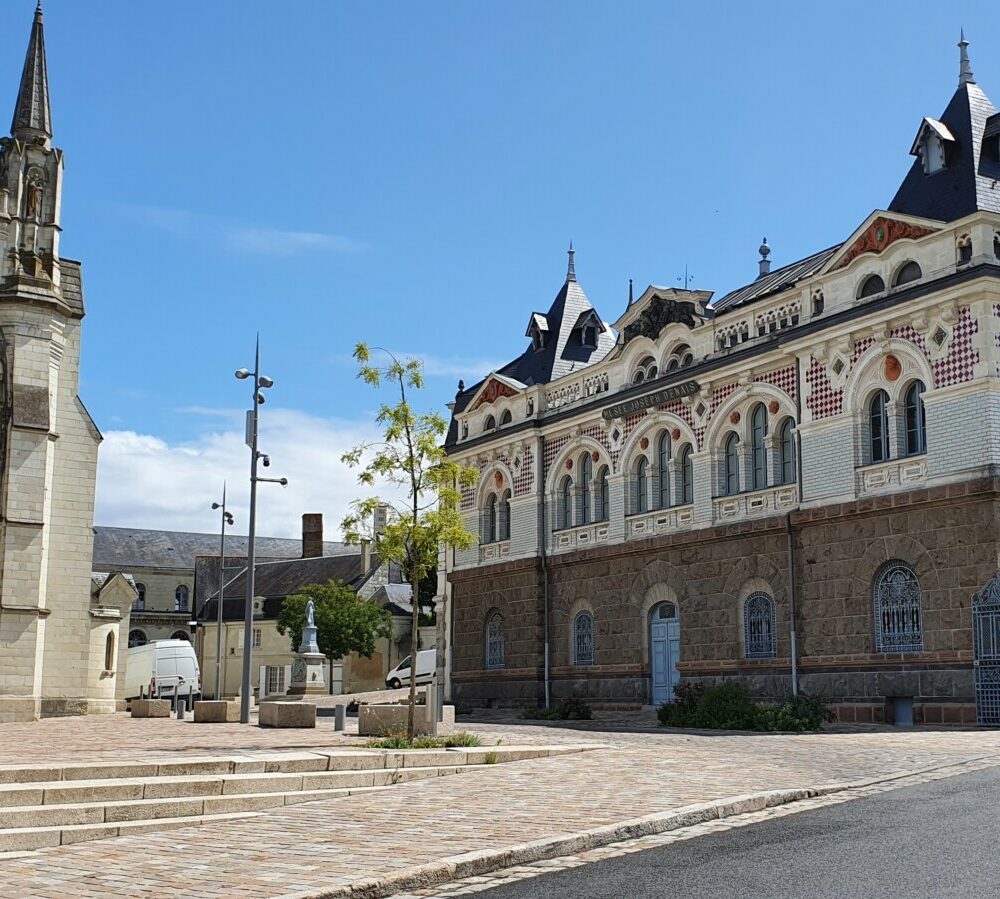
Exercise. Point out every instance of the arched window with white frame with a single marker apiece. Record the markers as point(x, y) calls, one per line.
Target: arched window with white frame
point(663, 469)
point(758, 449)
point(503, 516)
point(907, 273)
point(640, 500)
point(916, 427)
point(566, 503)
point(759, 626)
point(786, 451)
point(687, 475)
point(586, 483)
point(871, 286)
point(505, 417)
point(897, 609)
point(490, 424)
point(878, 427)
point(494, 641)
point(583, 639)
point(731, 465)
point(603, 499)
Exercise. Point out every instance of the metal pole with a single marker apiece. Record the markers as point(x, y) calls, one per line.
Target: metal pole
point(248, 612)
point(222, 589)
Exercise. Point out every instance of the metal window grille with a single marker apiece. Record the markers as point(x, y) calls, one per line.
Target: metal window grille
point(583, 639)
point(136, 638)
point(898, 620)
point(986, 643)
point(758, 626)
point(494, 641)
point(916, 430)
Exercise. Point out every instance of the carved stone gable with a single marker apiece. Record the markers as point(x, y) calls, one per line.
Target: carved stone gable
point(879, 235)
point(492, 392)
point(660, 312)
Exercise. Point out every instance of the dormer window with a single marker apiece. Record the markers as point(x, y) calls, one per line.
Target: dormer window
point(465, 430)
point(537, 330)
point(589, 338)
point(537, 339)
point(964, 249)
point(931, 145)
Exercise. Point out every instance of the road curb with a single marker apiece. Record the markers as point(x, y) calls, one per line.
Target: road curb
point(471, 864)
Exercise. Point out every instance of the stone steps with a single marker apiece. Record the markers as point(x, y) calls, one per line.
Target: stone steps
point(43, 806)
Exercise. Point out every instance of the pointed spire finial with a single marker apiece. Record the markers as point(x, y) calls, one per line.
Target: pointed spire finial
point(571, 271)
point(630, 300)
point(32, 115)
point(764, 263)
point(965, 75)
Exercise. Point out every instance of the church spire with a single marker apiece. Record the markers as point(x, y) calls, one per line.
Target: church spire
point(32, 116)
point(571, 271)
point(965, 75)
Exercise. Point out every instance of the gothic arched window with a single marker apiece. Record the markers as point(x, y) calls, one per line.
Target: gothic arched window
point(663, 468)
point(916, 427)
point(898, 617)
point(494, 641)
point(878, 427)
point(583, 639)
point(731, 465)
point(687, 476)
point(641, 497)
point(140, 601)
point(786, 447)
point(586, 479)
point(181, 595)
point(758, 451)
point(758, 626)
point(503, 516)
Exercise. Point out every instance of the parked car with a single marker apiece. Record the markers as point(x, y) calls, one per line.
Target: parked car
point(426, 666)
point(168, 667)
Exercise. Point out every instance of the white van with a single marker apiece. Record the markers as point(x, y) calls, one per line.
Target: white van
point(426, 666)
point(170, 666)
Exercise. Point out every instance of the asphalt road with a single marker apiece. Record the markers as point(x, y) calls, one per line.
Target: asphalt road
point(939, 839)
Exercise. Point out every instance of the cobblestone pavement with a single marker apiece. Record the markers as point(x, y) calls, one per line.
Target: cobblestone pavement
point(319, 847)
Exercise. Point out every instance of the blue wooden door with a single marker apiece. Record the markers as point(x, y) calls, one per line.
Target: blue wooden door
point(666, 650)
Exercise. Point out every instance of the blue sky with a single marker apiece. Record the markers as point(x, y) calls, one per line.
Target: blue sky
point(410, 174)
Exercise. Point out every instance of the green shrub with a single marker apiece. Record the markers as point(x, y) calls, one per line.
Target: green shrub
point(567, 710)
point(400, 741)
point(463, 738)
point(728, 706)
point(491, 758)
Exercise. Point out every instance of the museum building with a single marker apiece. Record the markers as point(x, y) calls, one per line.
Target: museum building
point(795, 485)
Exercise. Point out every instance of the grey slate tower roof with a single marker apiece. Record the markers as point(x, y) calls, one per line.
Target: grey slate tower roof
point(32, 115)
point(965, 184)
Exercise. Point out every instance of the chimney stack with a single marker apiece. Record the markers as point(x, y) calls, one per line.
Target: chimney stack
point(366, 556)
point(312, 535)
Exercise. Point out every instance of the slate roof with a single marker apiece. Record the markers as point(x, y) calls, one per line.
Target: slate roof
point(31, 112)
point(125, 547)
point(71, 285)
point(276, 580)
point(965, 184)
point(776, 281)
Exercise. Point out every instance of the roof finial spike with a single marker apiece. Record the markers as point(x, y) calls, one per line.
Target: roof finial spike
point(630, 300)
point(32, 116)
point(965, 75)
point(571, 271)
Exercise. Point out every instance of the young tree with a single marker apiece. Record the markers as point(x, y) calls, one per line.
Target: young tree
point(409, 456)
point(345, 622)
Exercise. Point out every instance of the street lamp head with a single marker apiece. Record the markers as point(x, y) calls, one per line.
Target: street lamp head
point(283, 482)
point(216, 506)
point(229, 518)
point(260, 399)
point(242, 374)
point(265, 381)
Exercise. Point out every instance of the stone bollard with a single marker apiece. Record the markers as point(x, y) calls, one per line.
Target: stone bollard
point(181, 707)
point(340, 717)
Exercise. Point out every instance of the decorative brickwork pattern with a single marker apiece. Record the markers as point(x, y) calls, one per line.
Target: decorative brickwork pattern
point(553, 446)
point(782, 378)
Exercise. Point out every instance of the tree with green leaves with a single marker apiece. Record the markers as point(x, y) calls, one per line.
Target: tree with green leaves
point(410, 459)
point(345, 622)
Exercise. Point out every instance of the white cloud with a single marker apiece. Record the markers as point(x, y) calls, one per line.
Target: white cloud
point(147, 482)
point(239, 236)
point(469, 368)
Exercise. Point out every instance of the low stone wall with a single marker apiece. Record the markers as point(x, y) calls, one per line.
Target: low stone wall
point(150, 708)
point(287, 714)
point(216, 711)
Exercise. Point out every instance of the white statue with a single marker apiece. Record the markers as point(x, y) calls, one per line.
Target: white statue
point(310, 613)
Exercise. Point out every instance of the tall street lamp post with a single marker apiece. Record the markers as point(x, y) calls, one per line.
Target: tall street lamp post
point(260, 382)
point(227, 518)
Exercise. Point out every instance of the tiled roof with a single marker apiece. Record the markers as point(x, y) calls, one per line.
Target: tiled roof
point(776, 281)
point(125, 547)
point(71, 285)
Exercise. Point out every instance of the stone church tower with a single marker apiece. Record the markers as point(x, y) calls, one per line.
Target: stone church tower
point(59, 646)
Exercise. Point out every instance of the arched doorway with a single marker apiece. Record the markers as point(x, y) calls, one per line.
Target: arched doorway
point(664, 651)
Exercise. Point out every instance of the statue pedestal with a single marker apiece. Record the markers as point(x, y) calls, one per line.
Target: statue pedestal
point(307, 670)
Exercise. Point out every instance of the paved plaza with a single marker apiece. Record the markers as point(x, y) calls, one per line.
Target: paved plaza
point(323, 848)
